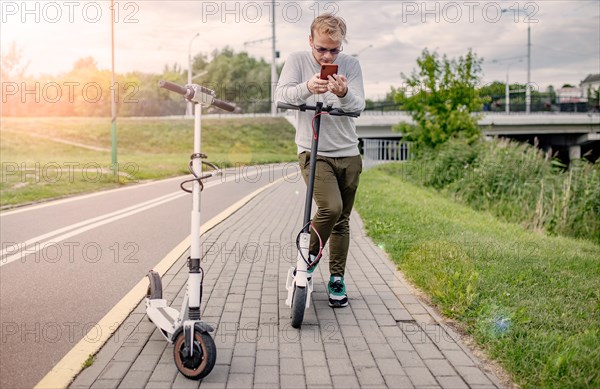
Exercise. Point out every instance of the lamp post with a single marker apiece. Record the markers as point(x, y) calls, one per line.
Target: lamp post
point(189, 109)
point(273, 62)
point(360, 51)
point(507, 107)
point(528, 86)
point(113, 105)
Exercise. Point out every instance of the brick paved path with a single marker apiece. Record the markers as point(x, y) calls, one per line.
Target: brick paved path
point(386, 337)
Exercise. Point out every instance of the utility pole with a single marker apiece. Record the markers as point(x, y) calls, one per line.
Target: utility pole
point(274, 56)
point(528, 86)
point(113, 105)
point(273, 62)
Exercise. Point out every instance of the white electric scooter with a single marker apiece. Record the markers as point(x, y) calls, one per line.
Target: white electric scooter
point(194, 350)
point(298, 284)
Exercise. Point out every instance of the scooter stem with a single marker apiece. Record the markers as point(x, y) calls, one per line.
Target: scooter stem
point(195, 275)
point(311, 173)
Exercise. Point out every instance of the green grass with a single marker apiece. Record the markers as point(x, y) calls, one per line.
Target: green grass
point(531, 301)
point(36, 168)
point(516, 182)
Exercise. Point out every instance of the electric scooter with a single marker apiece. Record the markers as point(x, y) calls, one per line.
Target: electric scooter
point(194, 349)
point(298, 283)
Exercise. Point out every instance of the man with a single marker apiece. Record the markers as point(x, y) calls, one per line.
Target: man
point(339, 163)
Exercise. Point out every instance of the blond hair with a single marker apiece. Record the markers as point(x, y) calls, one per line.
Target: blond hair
point(330, 25)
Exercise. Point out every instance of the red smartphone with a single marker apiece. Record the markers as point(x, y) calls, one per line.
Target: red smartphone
point(328, 69)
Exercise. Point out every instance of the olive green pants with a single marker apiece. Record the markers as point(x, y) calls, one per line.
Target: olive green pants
point(336, 181)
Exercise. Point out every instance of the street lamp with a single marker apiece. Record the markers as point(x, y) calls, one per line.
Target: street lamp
point(189, 110)
point(113, 105)
point(360, 51)
point(528, 86)
point(273, 61)
point(507, 107)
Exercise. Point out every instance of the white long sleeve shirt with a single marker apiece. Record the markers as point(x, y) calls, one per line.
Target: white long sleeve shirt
point(338, 136)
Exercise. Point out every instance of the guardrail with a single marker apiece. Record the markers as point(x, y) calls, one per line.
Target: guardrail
point(386, 150)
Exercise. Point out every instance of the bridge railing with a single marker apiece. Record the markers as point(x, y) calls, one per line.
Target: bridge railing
point(386, 150)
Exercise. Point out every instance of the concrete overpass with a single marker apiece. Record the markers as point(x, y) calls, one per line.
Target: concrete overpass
point(569, 135)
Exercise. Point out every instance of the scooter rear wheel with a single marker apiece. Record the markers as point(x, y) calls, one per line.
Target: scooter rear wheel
point(201, 363)
point(154, 290)
point(298, 306)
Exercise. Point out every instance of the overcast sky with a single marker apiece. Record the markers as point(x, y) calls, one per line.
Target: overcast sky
point(388, 35)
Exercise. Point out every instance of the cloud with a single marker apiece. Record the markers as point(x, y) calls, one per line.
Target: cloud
point(389, 35)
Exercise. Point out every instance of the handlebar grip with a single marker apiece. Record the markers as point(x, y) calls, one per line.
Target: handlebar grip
point(174, 87)
point(224, 105)
point(283, 105)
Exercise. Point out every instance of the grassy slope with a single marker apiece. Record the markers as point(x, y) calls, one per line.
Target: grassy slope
point(532, 301)
point(147, 149)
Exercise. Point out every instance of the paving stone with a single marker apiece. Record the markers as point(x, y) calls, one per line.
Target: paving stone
point(292, 381)
point(267, 358)
point(440, 367)
point(266, 375)
point(398, 382)
point(473, 375)
point(240, 381)
point(181, 382)
point(369, 376)
point(105, 384)
point(340, 367)
point(389, 366)
point(135, 379)
point(242, 364)
point(115, 370)
point(421, 377)
point(458, 358)
point(317, 375)
point(452, 382)
point(164, 373)
point(345, 382)
point(382, 351)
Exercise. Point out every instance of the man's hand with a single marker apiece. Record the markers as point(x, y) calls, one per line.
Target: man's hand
point(338, 85)
point(316, 85)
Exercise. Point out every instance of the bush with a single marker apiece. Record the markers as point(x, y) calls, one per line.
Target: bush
point(517, 183)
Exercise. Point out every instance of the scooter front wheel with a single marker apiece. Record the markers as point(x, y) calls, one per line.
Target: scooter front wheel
point(298, 306)
point(203, 359)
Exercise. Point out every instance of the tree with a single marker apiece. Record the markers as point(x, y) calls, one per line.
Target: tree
point(239, 78)
point(12, 66)
point(440, 97)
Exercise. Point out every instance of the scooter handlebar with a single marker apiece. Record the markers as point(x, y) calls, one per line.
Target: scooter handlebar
point(329, 109)
point(188, 92)
point(282, 105)
point(224, 105)
point(168, 85)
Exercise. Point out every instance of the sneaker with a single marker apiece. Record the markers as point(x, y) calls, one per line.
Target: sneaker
point(337, 292)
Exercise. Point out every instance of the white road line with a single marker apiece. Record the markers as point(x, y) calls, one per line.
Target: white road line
point(83, 197)
point(12, 251)
point(17, 251)
point(38, 244)
point(39, 238)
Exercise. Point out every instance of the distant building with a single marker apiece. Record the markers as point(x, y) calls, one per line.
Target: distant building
point(570, 94)
point(589, 85)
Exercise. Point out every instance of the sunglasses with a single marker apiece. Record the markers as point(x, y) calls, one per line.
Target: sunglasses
point(323, 50)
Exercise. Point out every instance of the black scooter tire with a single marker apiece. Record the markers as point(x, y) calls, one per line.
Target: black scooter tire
point(155, 287)
point(298, 306)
